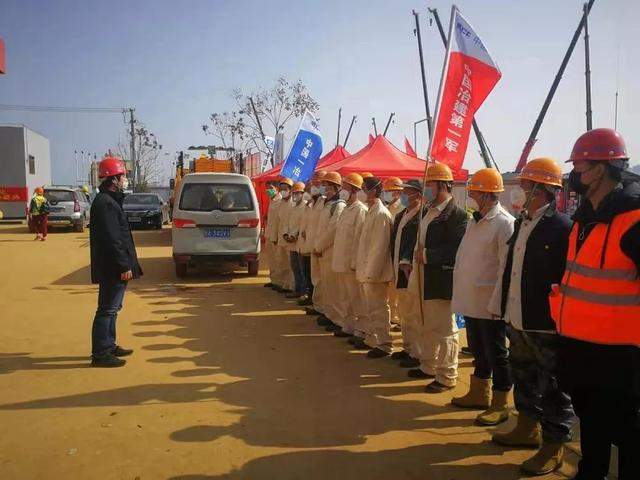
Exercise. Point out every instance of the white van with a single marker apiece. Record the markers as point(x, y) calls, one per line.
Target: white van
point(216, 219)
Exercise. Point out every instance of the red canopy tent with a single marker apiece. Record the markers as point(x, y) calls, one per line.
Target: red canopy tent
point(384, 160)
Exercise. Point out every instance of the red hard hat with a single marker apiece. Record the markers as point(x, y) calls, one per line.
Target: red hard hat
point(599, 144)
point(110, 166)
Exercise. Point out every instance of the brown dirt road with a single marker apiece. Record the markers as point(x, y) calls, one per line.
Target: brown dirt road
point(228, 380)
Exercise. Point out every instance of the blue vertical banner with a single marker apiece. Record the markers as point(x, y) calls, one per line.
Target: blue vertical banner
point(305, 151)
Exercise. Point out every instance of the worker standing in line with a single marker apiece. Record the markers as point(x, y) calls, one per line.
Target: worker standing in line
point(475, 279)
point(392, 191)
point(275, 201)
point(535, 261)
point(39, 211)
point(403, 242)
point(114, 262)
point(291, 234)
point(285, 274)
point(323, 250)
point(441, 231)
point(304, 255)
point(374, 271)
point(345, 251)
point(317, 192)
point(596, 306)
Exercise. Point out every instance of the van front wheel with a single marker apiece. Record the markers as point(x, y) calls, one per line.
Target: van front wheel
point(253, 268)
point(181, 270)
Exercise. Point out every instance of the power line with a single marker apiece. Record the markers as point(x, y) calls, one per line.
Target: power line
point(39, 108)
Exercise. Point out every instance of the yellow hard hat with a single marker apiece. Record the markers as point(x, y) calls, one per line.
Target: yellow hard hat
point(298, 187)
point(286, 181)
point(542, 170)
point(366, 174)
point(353, 179)
point(486, 180)
point(85, 189)
point(392, 184)
point(319, 175)
point(439, 172)
point(333, 177)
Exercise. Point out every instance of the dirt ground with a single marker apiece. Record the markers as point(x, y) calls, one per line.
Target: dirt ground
point(228, 380)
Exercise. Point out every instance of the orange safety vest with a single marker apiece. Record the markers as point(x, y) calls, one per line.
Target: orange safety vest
point(599, 298)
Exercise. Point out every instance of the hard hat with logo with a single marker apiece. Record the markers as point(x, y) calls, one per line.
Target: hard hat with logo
point(366, 174)
point(286, 181)
point(353, 179)
point(542, 170)
point(298, 187)
point(439, 172)
point(111, 166)
point(333, 177)
point(604, 144)
point(392, 184)
point(39, 190)
point(486, 180)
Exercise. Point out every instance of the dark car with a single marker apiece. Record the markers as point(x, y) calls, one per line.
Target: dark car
point(146, 209)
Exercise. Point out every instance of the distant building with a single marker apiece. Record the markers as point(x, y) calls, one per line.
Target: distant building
point(25, 163)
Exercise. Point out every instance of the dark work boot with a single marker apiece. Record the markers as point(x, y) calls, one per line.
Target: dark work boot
point(107, 361)
point(121, 352)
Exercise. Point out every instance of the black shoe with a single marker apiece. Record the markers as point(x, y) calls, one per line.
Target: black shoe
point(305, 301)
point(417, 373)
point(410, 363)
point(107, 361)
point(311, 311)
point(278, 288)
point(121, 352)
point(342, 334)
point(268, 285)
point(377, 353)
point(401, 355)
point(332, 328)
point(466, 351)
point(361, 345)
point(285, 290)
point(323, 321)
point(437, 387)
point(353, 340)
point(292, 295)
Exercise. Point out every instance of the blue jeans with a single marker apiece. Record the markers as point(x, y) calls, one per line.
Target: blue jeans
point(488, 340)
point(298, 278)
point(103, 333)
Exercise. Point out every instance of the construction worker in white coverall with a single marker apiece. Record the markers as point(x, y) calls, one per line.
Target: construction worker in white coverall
point(323, 249)
point(270, 235)
point(374, 271)
point(282, 250)
point(310, 233)
point(345, 250)
point(291, 234)
point(391, 197)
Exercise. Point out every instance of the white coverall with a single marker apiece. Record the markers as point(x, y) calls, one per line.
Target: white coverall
point(311, 227)
point(325, 236)
point(394, 208)
point(284, 264)
point(270, 236)
point(345, 250)
point(374, 271)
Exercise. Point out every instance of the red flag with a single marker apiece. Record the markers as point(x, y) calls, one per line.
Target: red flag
point(371, 139)
point(468, 77)
point(409, 149)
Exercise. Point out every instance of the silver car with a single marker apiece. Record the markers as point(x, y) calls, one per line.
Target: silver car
point(70, 206)
point(216, 220)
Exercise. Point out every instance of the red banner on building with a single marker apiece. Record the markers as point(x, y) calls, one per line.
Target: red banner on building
point(468, 77)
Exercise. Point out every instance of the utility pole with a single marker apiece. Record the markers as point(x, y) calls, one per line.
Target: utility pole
point(488, 160)
point(339, 118)
point(353, 119)
point(424, 78)
point(587, 66)
point(552, 91)
point(375, 128)
point(384, 134)
point(134, 164)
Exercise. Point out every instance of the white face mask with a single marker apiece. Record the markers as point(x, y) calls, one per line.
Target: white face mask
point(297, 197)
point(315, 191)
point(361, 196)
point(344, 195)
point(124, 183)
point(285, 194)
point(306, 197)
point(387, 197)
point(323, 190)
point(518, 197)
point(472, 204)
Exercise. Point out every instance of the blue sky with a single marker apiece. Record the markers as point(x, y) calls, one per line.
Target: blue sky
point(178, 61)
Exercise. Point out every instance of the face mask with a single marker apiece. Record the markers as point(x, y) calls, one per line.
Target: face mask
point(285, 194)
point(387, 197)
point(123, 184)
point(428, 194)
point(296, 197)
point(323, 190)
point(314, 190)
point(306, 197)
point(518, 197)
point(472, 204)
point(361, 196)
point(404, 199)
point(344, 195)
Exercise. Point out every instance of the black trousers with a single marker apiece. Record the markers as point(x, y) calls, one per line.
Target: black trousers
point(607, 417)
point(488, 341)
point(305, 267)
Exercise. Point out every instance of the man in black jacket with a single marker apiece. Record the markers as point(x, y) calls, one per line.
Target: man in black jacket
point(441, 232)
point(535, 260)
point(113, 262)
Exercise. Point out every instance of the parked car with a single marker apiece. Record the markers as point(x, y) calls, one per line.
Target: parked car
point(70, 206)
point(146, 209)
point(216, 220)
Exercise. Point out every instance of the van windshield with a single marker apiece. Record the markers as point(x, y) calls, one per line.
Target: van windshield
point(206, 197)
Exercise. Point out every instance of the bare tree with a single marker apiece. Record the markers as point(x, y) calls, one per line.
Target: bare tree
point(149, 169)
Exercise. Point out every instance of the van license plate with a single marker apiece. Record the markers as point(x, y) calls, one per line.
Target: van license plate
point(217, 233)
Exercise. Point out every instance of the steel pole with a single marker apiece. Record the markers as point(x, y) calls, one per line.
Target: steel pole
point(424, 79)
point(353, 119)
point(587, 67)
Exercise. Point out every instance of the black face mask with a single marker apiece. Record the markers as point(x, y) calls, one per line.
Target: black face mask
point(576, 184)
